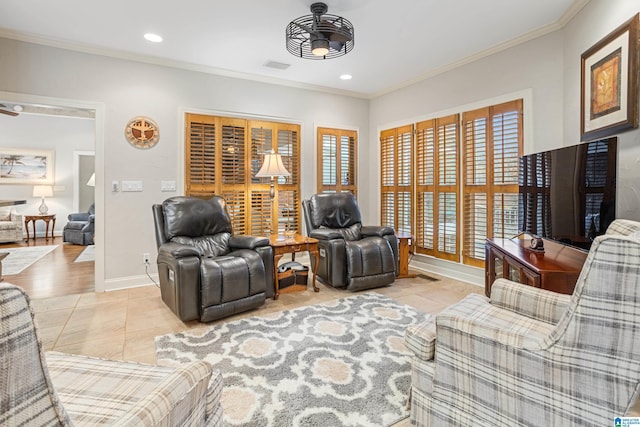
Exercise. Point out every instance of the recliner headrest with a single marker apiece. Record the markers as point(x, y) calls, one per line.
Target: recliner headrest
point(193, 217)
point(334, 210)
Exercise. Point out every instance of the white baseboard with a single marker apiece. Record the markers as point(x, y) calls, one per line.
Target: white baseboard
point(129, 282)
point(454, 270)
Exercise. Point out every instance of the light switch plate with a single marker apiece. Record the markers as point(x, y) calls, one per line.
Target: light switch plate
point(167, 186)
point(130, 186)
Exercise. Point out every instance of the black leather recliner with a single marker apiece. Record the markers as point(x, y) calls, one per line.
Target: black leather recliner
point(351, 255)
point(205, 272)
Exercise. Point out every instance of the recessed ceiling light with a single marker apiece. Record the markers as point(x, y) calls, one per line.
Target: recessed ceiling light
point(153, 37)
point(346, 77)
point(18, 108)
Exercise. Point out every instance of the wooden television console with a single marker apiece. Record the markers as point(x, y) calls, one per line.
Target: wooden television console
point(556, 269)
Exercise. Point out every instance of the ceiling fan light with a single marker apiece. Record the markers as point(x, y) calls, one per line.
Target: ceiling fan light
point(319, 47)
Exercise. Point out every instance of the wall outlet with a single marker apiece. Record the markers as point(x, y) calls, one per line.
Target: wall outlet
point(146, 259)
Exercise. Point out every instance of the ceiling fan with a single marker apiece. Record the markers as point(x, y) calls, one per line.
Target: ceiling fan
point(319, 35)
point(4, 110)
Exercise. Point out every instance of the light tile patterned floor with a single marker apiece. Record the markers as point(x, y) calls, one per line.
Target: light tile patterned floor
point(122, 324)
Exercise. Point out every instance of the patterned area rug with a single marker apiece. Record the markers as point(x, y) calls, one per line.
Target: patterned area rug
point(21, 258)
point(341, 363)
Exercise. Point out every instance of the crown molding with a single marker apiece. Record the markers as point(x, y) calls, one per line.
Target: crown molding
point(154, 60)
point(573, 10)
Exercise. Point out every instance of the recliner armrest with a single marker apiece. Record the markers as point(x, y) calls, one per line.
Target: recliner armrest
point(247, 242)
point(326, 234)
point(375, 230)
point(176, 250)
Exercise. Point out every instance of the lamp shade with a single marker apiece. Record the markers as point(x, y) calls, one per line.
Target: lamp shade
point(272, 166)
point(92, 180)
point(42, 191)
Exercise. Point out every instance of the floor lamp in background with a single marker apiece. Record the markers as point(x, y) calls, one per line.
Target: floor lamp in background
point(272, 167)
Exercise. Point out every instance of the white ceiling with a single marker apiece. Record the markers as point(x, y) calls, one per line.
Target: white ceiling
point(396, 42)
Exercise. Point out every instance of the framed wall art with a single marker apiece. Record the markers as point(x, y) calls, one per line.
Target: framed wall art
point(609, 84)
point(26, 166)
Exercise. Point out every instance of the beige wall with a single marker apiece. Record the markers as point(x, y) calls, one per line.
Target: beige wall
point(64, 136)
point(128, 89)
point(545, 71)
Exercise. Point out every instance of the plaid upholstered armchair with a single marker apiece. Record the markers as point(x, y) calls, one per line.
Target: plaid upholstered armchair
point(55, 389)
point(536, 358)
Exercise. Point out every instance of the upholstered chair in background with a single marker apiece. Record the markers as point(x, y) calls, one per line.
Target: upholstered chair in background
point(527, 356)
point(206, 272)
point(351, 255)
point(80, 228)
point(57, 389)
point(11, 226)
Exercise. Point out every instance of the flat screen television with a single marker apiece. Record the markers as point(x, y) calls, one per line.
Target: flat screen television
point(569, 194)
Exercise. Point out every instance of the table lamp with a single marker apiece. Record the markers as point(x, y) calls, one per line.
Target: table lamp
point(43, 191)
point(272, 167)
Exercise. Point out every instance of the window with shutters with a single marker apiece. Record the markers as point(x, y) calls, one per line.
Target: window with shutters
point(223, 155)
point(396, 154)
point(337, 160)
point(466, 169)
point(491, 146)
point(437, 187)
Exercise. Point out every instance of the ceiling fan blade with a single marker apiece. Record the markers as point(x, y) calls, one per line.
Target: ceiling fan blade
point(336, 45)
point(8, 113)
point(335, 33)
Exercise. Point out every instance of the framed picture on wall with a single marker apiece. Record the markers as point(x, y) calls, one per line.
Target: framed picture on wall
point(26, 166)
point(609, 84)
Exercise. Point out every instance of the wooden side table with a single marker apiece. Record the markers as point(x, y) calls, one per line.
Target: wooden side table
point(404, 240)
point(290, 245)
point(46, 218)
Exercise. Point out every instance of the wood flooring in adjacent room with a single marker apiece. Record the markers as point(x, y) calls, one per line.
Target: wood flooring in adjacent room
point(55, 274)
